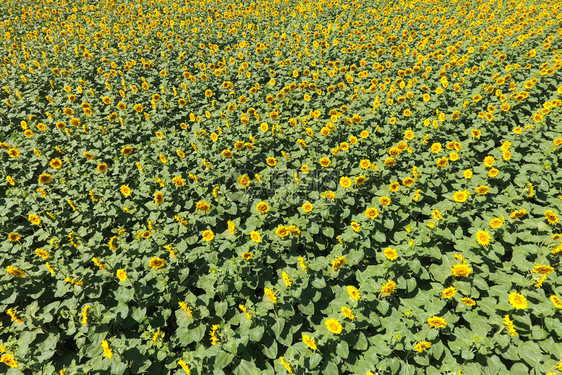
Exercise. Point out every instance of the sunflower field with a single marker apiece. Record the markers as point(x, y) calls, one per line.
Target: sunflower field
point(270, 187)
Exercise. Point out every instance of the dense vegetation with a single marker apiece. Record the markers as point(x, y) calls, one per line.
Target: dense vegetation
point(314, 187)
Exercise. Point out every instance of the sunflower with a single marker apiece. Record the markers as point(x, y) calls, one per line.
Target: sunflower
point(436, 215)
point(208, 235)
point(34, 219)
point(13, 153)
point(551, 217)
point(385, 201)
point(282, 231)
point(421, 346)
point(556, 301)
point(15, 271)
point(102, 167)
point(388, 288)
point(482, 190)
point(489, 161)
point(125, 190)
point(371, 213)
point(493, 172)
point(324, 162)
point(408, 181)
point(389, 162)
point(345, 182)
point(365, 163)
point(437, 322)
point(255, 236)
point(390, 253)
point(353, 293)
point(543, 269)
point(271, 161)
point(158, 198)
point(347, 313)
point(309, 341)
point(518, 301)
point(496, 222)
point(45, 178)
point(461, 196)
point(449, 292)
point(442, 162)
point(270, 294)
point(127, 150)
point(247, 256)
point(14, 237)
point(338, 263)
point(307, 206)
point(203, 206)
point(156, 263)
point(334, 326)
point(178, 181)
point(262, 207)
point(42, 253)
point(121, 274)
point(461, 270)
point(483, 238)
point(518, 214)
point(244, 180)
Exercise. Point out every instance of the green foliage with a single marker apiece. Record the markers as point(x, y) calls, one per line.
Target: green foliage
point(260, 188)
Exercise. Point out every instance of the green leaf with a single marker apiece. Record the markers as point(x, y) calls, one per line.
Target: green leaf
point(343, 349)
point(223, 359)
point(220, 308)
point(331, 369)
point(124, 294)
point(380, 237)
point(319, 283)
point(308, 309)
point(314, 359)
point(256, 333)
point(197, 333)
point(139, 313)
point(531, 353)
point(278, 326)
point(247, 368)
point(271, 350)
point(383, 307)
point(328, 232)
point(361, 343)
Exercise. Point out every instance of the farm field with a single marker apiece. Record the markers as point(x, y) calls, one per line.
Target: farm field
point(272, 187)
